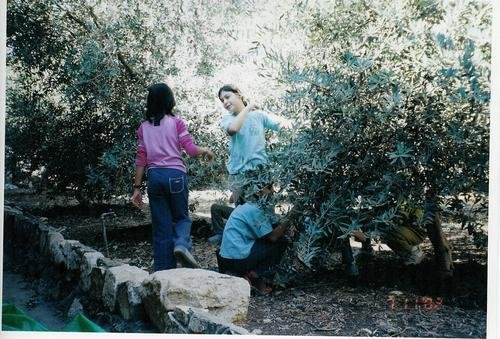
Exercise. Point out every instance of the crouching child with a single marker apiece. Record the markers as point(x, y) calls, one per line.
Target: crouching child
point(251, 247)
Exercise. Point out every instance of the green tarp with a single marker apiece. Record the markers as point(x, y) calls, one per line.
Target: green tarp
point(13, 319)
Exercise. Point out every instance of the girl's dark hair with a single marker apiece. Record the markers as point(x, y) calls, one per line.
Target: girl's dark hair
point(160, 102)
point(231, 88)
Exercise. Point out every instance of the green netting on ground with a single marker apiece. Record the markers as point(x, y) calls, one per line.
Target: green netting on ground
point(13, 319)
point(81, 323)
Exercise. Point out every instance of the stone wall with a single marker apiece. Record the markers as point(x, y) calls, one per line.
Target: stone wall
point(175, 301)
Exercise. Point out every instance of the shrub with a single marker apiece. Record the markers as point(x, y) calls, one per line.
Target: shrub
point(391, 104)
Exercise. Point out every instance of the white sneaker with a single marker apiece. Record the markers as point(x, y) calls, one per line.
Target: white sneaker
point(415, 257)
point(184, 258)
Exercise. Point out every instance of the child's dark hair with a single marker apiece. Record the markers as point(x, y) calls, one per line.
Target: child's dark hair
point(260, 187)
point(160, 102)
point(231, 88)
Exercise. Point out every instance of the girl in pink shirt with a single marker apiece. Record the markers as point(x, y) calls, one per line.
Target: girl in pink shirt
point(161, 138)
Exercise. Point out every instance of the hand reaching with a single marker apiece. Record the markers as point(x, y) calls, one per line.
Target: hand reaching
point(209, 155)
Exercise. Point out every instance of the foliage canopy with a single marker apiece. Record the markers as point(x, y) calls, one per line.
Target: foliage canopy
point(392, 100)
point(389, 98)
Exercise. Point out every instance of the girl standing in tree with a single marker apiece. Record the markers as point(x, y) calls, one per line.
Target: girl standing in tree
point(246, 126)
point(160, 140)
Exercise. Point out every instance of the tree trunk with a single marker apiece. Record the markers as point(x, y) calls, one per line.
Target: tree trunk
point(442, 250)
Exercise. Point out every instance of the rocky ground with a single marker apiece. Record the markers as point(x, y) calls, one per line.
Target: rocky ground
point(388, 299)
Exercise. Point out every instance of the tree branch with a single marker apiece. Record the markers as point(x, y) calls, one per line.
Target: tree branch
point(96, 21)
point(119, 54)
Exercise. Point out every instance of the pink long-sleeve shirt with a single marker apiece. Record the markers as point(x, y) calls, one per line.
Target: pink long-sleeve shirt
point(160, 146)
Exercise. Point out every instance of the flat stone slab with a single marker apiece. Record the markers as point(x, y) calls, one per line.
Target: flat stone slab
point(222, 295)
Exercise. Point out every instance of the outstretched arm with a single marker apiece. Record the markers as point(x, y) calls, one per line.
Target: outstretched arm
point(280, 230)
point(206, 152)
point(187, 143)
point(275, 122)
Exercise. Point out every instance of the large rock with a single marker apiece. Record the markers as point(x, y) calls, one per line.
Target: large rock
point(223, 296)
point(97, 275)
point(56, 242)
point(129, 300)
point(73, 252)
point(122, 275)
point(89, 261)
point(69, 253)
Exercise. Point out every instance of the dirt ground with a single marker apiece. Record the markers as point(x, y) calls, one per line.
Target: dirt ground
point(387, 299)
point(17, 291)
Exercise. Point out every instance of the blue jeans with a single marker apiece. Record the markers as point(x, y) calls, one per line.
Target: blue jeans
point(219, 214)
point(263, 258)
point(168, 201)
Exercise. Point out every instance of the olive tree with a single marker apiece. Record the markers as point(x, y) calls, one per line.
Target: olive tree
point(78, 78)
point(391, 104)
